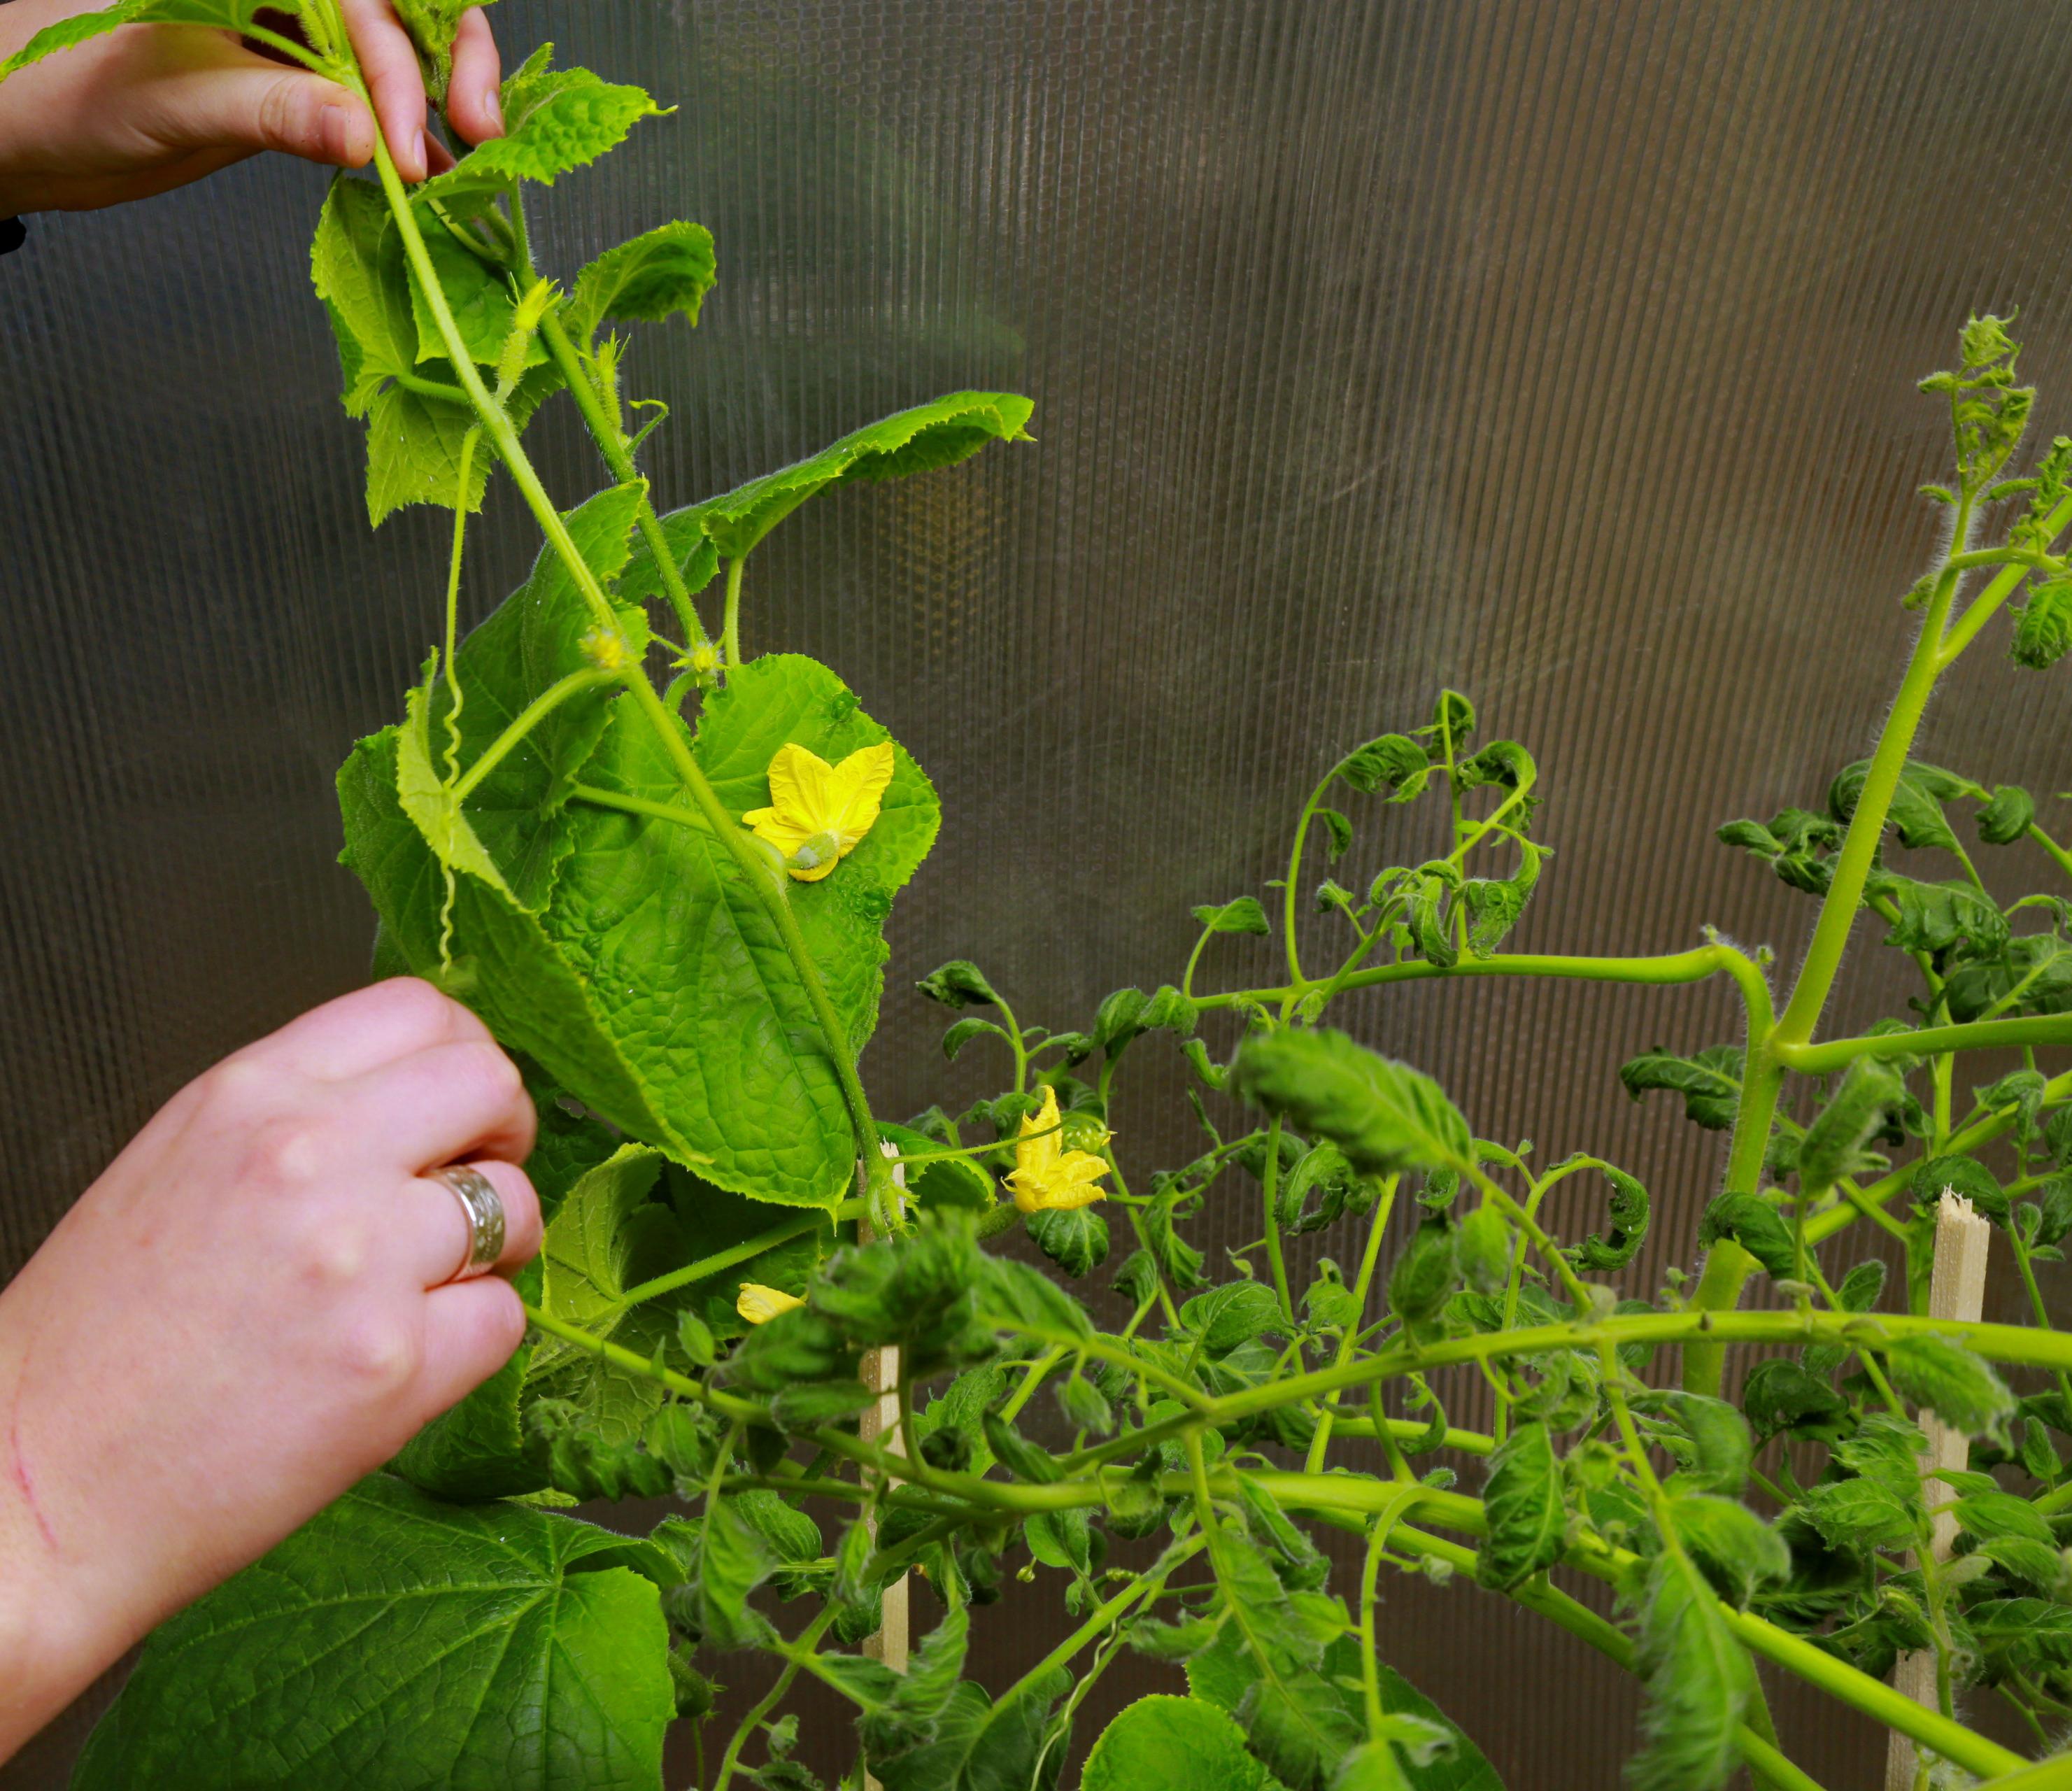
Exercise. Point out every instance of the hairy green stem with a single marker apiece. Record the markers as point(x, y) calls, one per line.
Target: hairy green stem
point(528, 719)
point(706, 1266)
point(609, 433)
point(730, 637)
point(2039, 1029)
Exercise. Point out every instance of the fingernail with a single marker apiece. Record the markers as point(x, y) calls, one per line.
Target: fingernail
point(493, 106)
point(332, 128)
point(417, 154)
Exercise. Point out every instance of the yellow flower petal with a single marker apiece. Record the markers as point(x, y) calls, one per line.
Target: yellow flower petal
point(1046, 1176)
point(818, 812)
point(759, 1304)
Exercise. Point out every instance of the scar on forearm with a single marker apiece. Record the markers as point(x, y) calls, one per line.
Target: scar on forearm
point(18, 1462)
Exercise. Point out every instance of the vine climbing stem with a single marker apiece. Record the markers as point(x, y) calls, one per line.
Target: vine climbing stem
point(761, 878)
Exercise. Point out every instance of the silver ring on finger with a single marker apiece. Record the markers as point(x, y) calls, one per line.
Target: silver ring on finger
point(484, 1210)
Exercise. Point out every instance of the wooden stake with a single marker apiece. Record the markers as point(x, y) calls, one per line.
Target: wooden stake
point(879, 1422)
point(1956, 1290)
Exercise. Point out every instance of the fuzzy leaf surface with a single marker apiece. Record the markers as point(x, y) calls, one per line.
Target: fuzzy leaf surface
point(396, 1640)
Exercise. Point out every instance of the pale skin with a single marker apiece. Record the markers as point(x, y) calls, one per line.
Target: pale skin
point(152, 107)
point(255, 1305)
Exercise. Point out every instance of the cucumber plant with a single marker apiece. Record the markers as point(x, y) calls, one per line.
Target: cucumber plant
point(660, 869)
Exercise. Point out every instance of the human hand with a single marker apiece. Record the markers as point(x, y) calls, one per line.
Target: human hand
point(150, 107)
point(250, 1311)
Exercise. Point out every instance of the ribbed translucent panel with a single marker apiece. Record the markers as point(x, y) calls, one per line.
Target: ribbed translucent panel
point(1563, 353)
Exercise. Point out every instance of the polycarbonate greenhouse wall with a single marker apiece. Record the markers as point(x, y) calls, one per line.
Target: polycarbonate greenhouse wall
point(1563, 353)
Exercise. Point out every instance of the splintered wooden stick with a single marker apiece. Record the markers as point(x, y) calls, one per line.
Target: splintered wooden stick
point(1957, 1291)
point(880, 1423)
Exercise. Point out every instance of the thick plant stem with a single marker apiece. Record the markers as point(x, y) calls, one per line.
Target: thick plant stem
point(1728, 1266)
point(610, 435)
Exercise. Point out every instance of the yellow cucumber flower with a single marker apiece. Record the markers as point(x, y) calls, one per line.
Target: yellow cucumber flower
point(818, 812)
point(759, 1304)
point(1045, 1174)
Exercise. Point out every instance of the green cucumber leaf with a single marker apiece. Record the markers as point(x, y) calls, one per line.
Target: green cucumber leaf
point(479, 298)
point(629, 987)
point(80, 28)
point(1167, 1744)
point(421, 790)
point(681, 962)
point(415, 435)
point(528, 645)
point(930, 435)
point(393, 1640)
point(947, 1181)
point(606, 1238)
point(658, 275)
point(555, 120)
point(505, 966)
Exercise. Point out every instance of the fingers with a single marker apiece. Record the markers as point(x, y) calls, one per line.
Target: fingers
point(432, 1220)
point(389, 62)
point(473, 104)
point(470, 1329)
point(257, 105)
point(440, 1104)
point(359, 1032)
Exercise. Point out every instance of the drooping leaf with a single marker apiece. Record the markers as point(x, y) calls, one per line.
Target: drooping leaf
point(1382, 1114)
point(1960, 1387)
point(1757, 1226)
point(1710, 1082)
point(662, 273)
point(1700, 1683)
point(1528, 1518)
point(1916, 812)
point(1940, 918)
point(2006, 816)
point(2043, 626)
point(1075, 1238)
point(1241, 914)
point(1738, 1551)
point(1868, 1092)
point(931, 435)
point(1626, 1213)
point(393, 1640)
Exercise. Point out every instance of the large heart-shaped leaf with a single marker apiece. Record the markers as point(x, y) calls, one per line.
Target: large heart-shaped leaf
point(396, 1640)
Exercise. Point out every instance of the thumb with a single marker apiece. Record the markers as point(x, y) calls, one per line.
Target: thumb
point(264, 107)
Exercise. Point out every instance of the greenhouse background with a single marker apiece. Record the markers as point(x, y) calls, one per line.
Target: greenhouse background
point(1559, 354)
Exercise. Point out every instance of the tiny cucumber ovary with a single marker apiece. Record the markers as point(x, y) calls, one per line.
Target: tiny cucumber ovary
point(676, 926)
